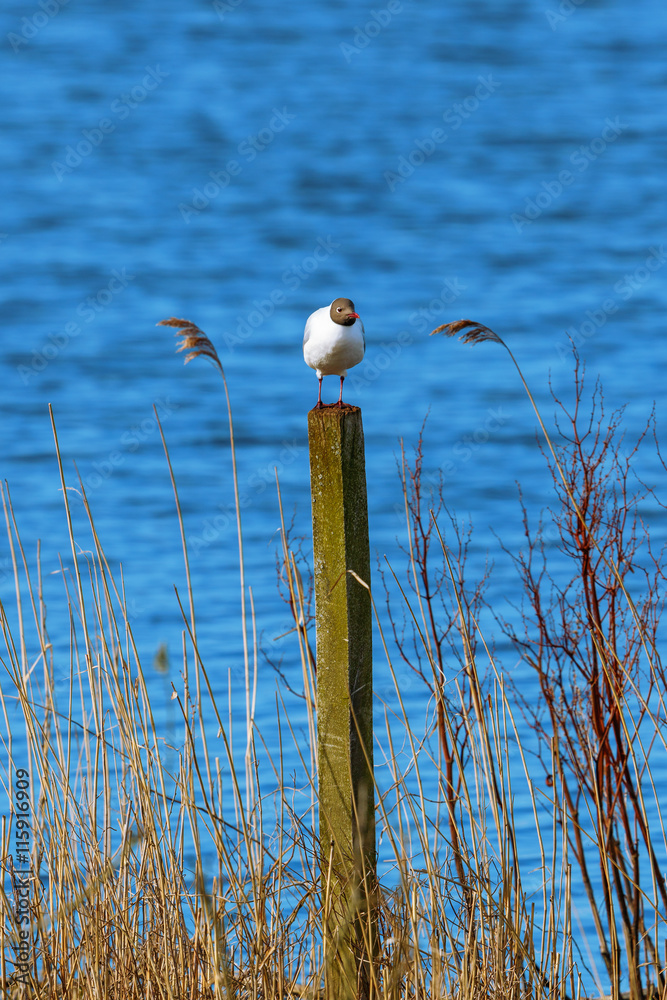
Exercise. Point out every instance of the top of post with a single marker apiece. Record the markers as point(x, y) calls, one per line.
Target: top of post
point(334, 408)
point(328, 423)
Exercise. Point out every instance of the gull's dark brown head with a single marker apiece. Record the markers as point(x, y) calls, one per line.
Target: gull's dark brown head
point(342, 312)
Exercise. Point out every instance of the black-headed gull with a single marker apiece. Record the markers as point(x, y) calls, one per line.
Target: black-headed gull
point(333, 341)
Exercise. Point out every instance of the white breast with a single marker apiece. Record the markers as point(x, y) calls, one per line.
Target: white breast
point(330, 348)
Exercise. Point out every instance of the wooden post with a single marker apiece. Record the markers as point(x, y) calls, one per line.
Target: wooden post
point(344, 698)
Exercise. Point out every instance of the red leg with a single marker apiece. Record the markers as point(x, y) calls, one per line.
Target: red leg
point(319, 396)
point(340, 396)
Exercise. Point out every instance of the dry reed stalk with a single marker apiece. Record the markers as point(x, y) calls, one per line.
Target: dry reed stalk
point(585, 639)
point(162, 875)
point(123, 908)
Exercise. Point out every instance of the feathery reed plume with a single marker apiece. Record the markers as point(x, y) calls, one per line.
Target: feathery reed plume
point(596, 535)
point(194, 340)
point(197, 343)
point(477, 335)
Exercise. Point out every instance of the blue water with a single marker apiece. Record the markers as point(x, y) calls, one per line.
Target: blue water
point(241, 164)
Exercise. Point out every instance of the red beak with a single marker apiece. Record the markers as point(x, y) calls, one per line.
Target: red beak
point(356, 315)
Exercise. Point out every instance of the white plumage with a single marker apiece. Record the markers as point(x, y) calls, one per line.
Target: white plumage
point(334, 341)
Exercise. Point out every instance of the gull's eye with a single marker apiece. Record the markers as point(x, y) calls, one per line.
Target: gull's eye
point(339, 309)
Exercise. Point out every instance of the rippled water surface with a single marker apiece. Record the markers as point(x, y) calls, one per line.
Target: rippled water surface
point(241, 164)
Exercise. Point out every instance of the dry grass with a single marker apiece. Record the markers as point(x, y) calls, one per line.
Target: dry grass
point(176, 873)
point(179, 882)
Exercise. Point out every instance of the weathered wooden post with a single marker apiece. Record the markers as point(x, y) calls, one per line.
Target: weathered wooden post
point(344, 698)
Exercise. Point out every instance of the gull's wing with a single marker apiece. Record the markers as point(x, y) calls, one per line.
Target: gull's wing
point(310, 323)
point(309, 328)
